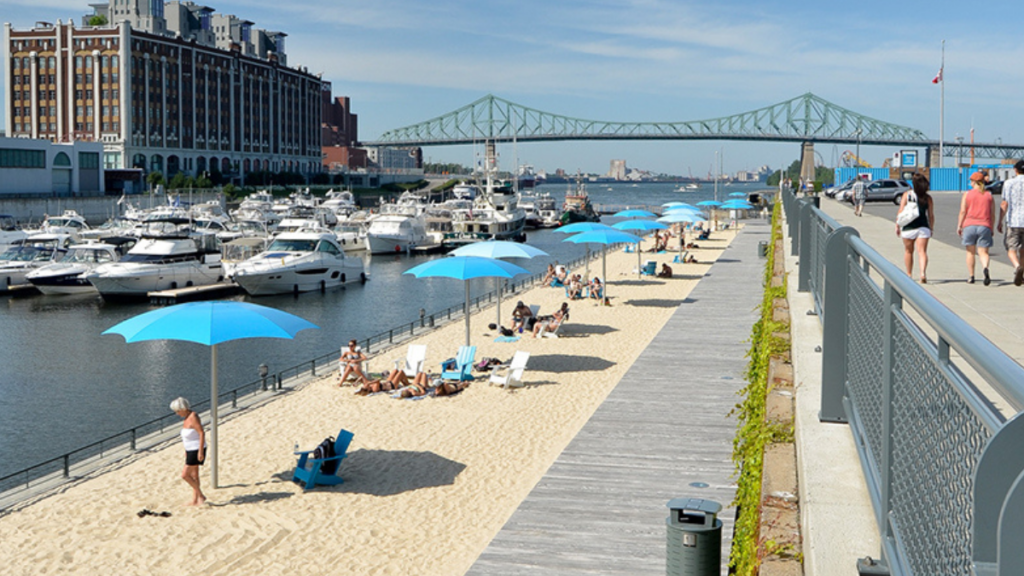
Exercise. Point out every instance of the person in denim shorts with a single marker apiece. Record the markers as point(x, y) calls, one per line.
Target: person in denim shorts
point(1011, 213)
point(974, 225)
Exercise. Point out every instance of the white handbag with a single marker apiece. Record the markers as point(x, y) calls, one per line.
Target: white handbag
point(910, 211)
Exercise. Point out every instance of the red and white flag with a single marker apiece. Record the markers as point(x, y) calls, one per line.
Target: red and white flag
point(938, 77)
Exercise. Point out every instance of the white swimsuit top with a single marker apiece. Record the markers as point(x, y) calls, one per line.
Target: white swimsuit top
point(190, 437)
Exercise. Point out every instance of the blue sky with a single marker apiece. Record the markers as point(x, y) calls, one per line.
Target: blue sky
point(404, 61)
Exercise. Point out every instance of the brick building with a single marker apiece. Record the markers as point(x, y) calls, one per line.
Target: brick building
point(165, 87)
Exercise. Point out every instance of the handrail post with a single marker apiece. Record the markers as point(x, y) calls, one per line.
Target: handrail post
point(133, 440)
point(67, 465)
point(893, 302)
point(807, 207)
point(835, 322)
point(996, 497)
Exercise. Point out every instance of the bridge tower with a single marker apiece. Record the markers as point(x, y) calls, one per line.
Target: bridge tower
point(807, 162)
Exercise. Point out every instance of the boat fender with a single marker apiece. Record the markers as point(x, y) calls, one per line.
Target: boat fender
point(398, 248)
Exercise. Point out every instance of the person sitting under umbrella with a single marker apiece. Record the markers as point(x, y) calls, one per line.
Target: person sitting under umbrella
point(550, 275)
point(576, 287)
point(551, 323)
point(353, 359)
point(520, 315)
point(665, 272)
point(561, 274)
point(596, 289)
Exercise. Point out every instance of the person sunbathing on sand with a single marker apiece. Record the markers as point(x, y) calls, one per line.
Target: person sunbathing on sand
point(550, 275)
point(449, 388)
point(393, 381)
point(551, 323)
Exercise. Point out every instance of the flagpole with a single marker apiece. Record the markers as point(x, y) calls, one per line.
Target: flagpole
point(942, 102)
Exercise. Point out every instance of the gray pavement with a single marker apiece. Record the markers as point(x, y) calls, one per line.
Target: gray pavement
point(838, 520)
point(662, 433)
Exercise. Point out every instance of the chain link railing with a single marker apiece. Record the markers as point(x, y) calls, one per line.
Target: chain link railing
point(944, 467)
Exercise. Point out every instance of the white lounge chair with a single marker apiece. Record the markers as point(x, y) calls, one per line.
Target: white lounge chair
point(414, 360)
point(513, 376)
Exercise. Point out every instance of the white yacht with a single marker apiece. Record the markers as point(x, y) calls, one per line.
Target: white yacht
point(257, 206)
point(68, 275)
point(161, 260)
point(9, 232)
point(33, 252)
point(342, 204)
point(298, 262)
point(495, 214)
point(541, 210)
point(69, 222)
point(398, 227)
point(351, 235)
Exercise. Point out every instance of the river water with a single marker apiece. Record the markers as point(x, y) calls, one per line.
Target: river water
point(63, 385)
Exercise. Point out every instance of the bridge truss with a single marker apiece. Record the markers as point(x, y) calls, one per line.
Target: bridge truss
point(807, 118)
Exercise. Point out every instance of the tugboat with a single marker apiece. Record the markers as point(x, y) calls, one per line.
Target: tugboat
point(577, 206)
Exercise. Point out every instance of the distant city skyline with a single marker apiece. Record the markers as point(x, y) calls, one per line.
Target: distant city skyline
point(403, 62)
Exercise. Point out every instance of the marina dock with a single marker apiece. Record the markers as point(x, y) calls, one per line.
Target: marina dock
point(193, 293)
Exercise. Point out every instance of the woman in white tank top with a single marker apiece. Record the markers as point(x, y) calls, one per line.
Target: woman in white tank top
point(194, 439)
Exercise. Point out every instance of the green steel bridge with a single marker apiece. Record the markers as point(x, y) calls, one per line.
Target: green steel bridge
point(807, 119)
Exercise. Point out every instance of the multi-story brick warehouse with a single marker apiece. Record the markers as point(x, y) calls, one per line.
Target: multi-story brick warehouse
point(165, 87)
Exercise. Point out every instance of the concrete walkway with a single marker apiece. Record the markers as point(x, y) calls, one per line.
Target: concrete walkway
point(838, 519)
point(662, 433)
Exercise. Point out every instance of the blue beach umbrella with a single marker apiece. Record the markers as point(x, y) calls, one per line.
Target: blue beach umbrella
point(605, 237)
point(709, 204)
point(578, 227)
point(211, 323)
point(737, 205)
point(679, 218)
point(499, 249)
point(466, 268)
point(737, 195)
point(676, 204)
point(633, 214)
point(640, 226)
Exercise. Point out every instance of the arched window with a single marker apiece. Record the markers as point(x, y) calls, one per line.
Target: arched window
point(61, 159)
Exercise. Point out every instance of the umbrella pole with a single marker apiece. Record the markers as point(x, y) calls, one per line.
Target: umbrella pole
point(500, 281)
point(467, 312)
point(639, 267)
point(213, 416)
point(587, 271)
point(604, 272)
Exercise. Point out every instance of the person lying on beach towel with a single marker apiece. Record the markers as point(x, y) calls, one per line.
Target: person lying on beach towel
point(413, 390)
point(449, 388)
point(393, 381)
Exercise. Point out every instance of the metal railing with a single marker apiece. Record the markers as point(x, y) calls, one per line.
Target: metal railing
point(944, 467)
point(82, 461)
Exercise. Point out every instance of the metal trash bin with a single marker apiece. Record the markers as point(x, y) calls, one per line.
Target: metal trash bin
point(694, 538)
point(762, 249)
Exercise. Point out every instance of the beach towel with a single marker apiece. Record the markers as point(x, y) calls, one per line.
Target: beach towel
point(507, 339)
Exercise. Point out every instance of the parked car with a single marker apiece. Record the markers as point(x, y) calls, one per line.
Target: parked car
point(884, 189)
point(834, 191)
point(995, 187)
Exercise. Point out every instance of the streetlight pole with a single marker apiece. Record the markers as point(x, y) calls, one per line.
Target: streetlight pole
point(857, 162)
point(959, 167)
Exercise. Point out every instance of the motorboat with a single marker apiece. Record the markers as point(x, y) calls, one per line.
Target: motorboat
point(69, 222)
point(463, 191)
point(399, 227)
point(33, 252)
point(342, 204)
point(246, 229)
point(298, 262)
point(495, 213)
point(10, 232)
point(238, 250)
point(68, 275)
point(541, 210)
point(257, 206)
point(351, 236)
point(168, 256)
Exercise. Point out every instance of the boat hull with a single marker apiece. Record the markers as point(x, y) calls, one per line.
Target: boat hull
point(390, 244)
point(136, 281)
point(72, 282)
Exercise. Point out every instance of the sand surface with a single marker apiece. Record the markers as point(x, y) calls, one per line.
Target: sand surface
point(428, 483)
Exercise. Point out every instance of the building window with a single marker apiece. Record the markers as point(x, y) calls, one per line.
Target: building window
point(14, 158)
point(78, 62)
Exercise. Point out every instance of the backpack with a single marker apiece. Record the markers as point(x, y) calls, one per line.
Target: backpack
point(326, 450)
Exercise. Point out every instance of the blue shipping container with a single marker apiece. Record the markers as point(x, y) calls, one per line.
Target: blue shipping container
point(950, 179)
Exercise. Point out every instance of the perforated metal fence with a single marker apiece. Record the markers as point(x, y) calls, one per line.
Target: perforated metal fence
point(944, 467)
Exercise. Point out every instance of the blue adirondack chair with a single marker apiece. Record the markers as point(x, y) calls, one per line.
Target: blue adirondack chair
point(463, 365)
point(308, 468)
point(649, 268)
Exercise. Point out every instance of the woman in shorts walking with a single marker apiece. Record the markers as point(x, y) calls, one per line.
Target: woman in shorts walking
point(915, 235)
point(975, 225)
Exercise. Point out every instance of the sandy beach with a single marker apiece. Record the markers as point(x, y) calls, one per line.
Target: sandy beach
point(428, 482)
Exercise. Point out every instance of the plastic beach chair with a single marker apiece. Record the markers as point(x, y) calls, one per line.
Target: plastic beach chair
point(414, 360)
point(463, 365)
point(314, 471)
point(649, 268)
point(513, 376)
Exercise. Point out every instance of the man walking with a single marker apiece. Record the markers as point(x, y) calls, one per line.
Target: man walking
point(860, 196)
point(1011, 212)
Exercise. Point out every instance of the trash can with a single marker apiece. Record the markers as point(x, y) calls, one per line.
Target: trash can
point(762, 249)
point(694, 538)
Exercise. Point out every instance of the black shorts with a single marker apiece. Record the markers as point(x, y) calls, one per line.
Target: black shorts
point(192, 457)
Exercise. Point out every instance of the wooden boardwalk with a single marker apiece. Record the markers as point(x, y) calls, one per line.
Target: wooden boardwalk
point(662, 433)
